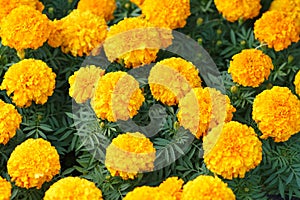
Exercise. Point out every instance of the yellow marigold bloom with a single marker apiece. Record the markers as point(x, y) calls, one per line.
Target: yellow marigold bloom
point(202, 109)
point(138, 2)
point(102, 8)
point(10, 121)
point(73, 188)
point(32, 163)
point(117, 97)
point(171, 79)
point(129, 154)
point(166, 13)
point(276, 28)
point(232, 149)
point(8, 5)
point(25, 27)
point(277, 113)
point(250, 67)
point(172, 186)
point(5, 189)
point(238, 9)
point(29, 80)
point(83, 83)
point(297, 83)
point(135, 41)
point(207, 188)
point(148, 193)
point(78, 33)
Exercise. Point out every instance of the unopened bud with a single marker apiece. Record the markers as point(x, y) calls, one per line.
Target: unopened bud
point(199, 21)
point(234, 89)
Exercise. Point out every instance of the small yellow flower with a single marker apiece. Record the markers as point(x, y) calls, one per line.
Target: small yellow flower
point(148, 193)
point(5, 189)
point(297, 83)
point(277, 113)
point(83, 83)
point(250, 67)
point(102, 8)
point(32, 163)
point(207, 188)
point(130, 154)
point(10, 121)
point(172, 186)
point(73, 188)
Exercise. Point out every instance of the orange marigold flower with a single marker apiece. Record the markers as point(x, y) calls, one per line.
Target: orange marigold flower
point(129, 154)
point(207, 188)
point(166, 13)
point(102, 8)
point(25, 27)
point(135, 41)
point(250, 67)
point(10, 121)
point(277, 113)
point(32, 163)
point(238, 9)
point(5, 189)
point(83, 83)
point(172, 186)
point(171, 79)
point(276, 28)
point(73, 188)
point(211, 106)
point(147, 193)
point(232, 149)
point(297, 83)
point(78, 33)
point(29, 80)
point(117, 97)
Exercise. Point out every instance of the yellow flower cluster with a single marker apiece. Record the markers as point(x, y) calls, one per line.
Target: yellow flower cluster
point(276, 28)
point(171, 79)
point(277, 113)
point(135, 41)
point(129, 154)
point(78, 33)
point(102, 8)
point(207, 188)
point(5, 189)
point(83, 83)
point(32, 163)
point(202, 109)
point(166, 13)
point(73, 188)
point(231, 150)
point(29, 80)
point(10, 121)
point(297, 83)
point(250, 67)
point(25, 27)
point(172, 186)
point(117, 97)
point(8, 5)
point(238, 9)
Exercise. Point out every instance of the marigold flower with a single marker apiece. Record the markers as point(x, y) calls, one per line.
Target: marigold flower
point(234, 10)
point(250, 67)
point(25, 27)
point(147, 193)
point(135, 41)
point(231, 150)
point(73, 188)
point(171, 79)
point(83, 83)
point(29, 80)
point(276, 28)
point(138, 2)
point(129, 154)
point(166, 13)
point(10, 121)
point(78, 33)
point(207, 188)
point(211, 106)
point(297, 83)
point(117, 97)
point(5, 189)
point(32, 163)
point(103, 8)
point(277, 113)
point(172, 186)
